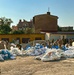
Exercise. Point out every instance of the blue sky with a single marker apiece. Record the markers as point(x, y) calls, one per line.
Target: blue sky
point(26, 9)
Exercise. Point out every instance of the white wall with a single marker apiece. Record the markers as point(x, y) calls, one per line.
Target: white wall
point(47, 36)
point(50, 36)
point(54, 36)
point(70, 36)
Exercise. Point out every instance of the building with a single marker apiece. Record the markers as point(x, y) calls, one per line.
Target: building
point(23, 38)
point(45, 22)
point(22, 25)
point(59, 35)
point(66, 28)
point(14, 28)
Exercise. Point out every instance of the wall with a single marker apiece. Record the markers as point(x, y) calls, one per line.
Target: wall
point(45, 22)
point(47, 36)
point(26, 37)
point(55, 36)
point(70, 36)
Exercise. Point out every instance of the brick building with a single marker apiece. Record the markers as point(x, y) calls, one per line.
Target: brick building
point(45, 22)
point(14, 28)
point(22, 25)
point(68, 28)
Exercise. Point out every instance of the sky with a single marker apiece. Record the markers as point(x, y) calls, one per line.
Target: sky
point(27, 9)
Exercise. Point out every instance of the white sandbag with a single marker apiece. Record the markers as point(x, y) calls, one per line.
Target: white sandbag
point(35, 52)
point(16, 51)
point(71, 48)
point(51, 55)
point(1, 59)
point(39, 57)
point(69, 53)
point(12, 57)
point(29, 52)
point(72, 43)
point(61, 53)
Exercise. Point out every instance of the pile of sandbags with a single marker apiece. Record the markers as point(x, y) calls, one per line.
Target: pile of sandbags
point(34, 51)
point(69, 53)
point(38, 49)
point(1, 58)
point(5, 55)
point(16, 51)
point(50, 55)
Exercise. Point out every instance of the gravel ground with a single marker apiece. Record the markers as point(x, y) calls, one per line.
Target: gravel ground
point(27, 65)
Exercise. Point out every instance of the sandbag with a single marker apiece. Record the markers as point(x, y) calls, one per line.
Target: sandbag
point(5, 54)
point(50, 56)
point(69, 54)
point(16, 51)
point(1, 58)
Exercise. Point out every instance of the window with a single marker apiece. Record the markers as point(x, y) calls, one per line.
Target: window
point(38, 38)
point(25, 40)
point(18, 39)
point(5, 39)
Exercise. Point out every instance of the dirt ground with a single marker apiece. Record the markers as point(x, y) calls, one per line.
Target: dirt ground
point(27, 65)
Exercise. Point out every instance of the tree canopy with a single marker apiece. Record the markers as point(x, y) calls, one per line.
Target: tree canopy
point(5, 25)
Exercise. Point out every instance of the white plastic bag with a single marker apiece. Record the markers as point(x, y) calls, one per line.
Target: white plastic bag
point(1, 59)
point(51, 55)
point(16, 51)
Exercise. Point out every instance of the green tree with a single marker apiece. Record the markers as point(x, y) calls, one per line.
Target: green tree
point(5, 29)
point(5, 25)
point(30, 30)
point(59, 29)
point(18, 32)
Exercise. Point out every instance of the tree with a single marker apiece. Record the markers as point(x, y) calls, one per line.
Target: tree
point(59, 29)
point(5, 29)
point(30, 30)
point(5, 25)
point(18, 32)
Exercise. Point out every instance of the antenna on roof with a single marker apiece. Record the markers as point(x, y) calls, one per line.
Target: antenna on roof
point(48, 9)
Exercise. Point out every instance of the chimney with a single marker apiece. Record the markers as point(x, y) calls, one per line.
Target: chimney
point(48, 13)
point(20, 21)
point(23, 20)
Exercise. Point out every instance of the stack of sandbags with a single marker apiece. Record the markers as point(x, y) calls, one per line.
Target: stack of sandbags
point(50, 55)
point(1, 58)
point(5, 55)
point(16, 51)
point(69, 53)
